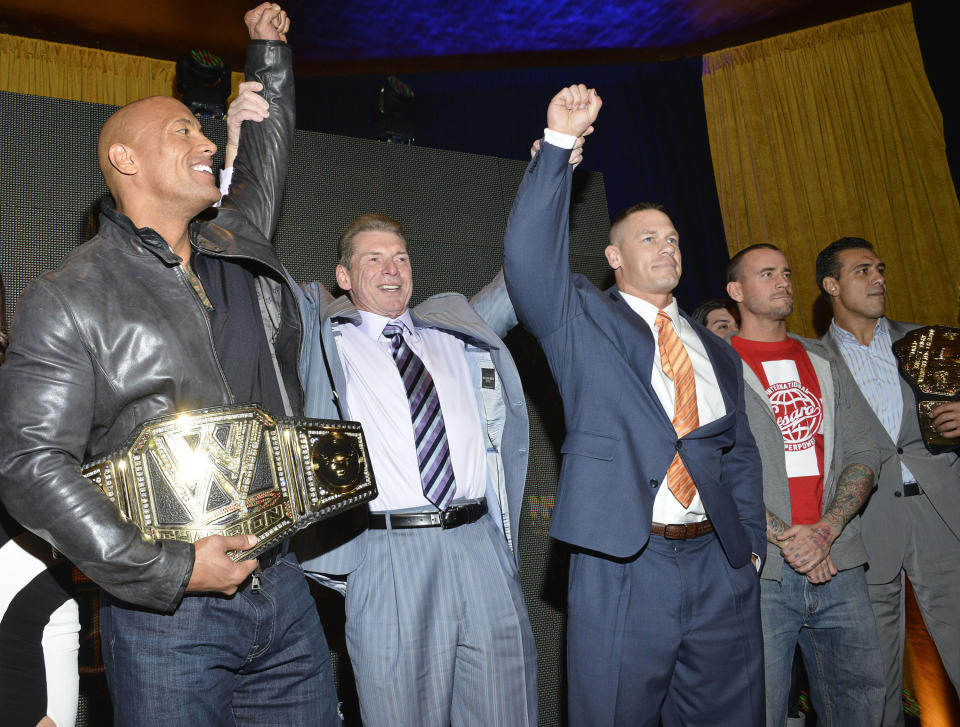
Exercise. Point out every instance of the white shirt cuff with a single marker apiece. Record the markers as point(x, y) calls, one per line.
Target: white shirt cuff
point(555, 138)
point(225, 177)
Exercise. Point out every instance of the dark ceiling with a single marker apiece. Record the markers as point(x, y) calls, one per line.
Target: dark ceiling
point(366, 36)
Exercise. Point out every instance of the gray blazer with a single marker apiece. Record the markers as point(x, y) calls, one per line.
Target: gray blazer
point(938, 475)
point(336, 547)
point(846, 441)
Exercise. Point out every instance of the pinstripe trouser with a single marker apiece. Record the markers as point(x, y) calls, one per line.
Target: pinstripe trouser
point(437, 630)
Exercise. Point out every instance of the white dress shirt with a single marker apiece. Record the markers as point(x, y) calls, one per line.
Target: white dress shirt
point(376, 397)
point(666, 508)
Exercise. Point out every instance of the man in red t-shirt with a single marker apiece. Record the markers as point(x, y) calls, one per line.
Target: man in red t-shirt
point(818, 471)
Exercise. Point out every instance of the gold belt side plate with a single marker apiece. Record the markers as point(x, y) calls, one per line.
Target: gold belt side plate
point(235, 471)
point(929, 360)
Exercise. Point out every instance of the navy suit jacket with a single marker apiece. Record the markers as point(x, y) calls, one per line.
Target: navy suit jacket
point(619, 440)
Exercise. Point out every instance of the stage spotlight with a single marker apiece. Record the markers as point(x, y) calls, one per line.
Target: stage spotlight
point(203, 79)
point(393, 112)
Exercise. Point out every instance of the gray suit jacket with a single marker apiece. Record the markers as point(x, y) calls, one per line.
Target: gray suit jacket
point(336, 547)
point(846, 441)
point(938, 475)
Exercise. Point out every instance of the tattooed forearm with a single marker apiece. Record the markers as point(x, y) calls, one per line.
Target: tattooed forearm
point(775, 528)
point(853, 489)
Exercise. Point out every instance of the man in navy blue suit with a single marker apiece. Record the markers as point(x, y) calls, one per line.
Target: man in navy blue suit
point(665, 516)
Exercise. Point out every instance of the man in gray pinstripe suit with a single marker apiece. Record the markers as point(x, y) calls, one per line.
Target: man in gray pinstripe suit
point(437, 628)
point(911, 525)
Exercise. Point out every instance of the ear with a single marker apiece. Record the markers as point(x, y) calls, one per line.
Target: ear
point(121, 159)
point(612, 253)
point(343, 277)
point(831, 286)
point(735, 291)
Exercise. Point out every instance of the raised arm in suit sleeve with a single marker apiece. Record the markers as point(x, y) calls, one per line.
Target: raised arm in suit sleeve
point(492, 303)
point(537, 242)
point(536, 246)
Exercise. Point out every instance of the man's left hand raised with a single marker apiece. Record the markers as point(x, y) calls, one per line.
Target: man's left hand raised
point(267, 21)
point(573, 110)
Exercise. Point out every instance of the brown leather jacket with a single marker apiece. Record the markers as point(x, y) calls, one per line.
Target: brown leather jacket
point(115, 336)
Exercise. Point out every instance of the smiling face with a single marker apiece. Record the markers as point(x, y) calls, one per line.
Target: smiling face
point(860, 289)
point(178, 156)
point(379, 278)
point(154, 151)
point(645, 255)
point(763, 290)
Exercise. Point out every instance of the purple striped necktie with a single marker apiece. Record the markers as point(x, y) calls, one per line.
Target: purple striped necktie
point(429, 432)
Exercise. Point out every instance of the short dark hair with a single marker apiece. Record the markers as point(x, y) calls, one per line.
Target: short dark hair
point(735, 266)
point(828, 261)
point(370, 222)
point(632, 209)
point(708, 306)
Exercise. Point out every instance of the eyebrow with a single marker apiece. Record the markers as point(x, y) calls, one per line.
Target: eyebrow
point(368, 253)
point(189, 121)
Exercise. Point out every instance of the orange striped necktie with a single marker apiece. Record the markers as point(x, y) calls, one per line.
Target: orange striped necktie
point(676, 365)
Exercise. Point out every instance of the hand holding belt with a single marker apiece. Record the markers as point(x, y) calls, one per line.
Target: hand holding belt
point(235, 471)
point(929, 360)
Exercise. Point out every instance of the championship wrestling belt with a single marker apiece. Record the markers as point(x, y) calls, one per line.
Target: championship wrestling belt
point(235, 471)
point(929, 359)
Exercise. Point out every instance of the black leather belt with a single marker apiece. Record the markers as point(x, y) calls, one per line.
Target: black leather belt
point(452, 517)
point(911, 489)
point(682, 532)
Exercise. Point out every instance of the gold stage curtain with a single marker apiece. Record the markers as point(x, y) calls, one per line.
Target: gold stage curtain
point(59, 70)
point(834, 131)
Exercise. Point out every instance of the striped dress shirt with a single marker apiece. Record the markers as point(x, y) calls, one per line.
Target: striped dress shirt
point(874, 367)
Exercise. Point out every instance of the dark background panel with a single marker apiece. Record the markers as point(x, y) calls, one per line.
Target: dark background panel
point(650, 141)
point(454, 206)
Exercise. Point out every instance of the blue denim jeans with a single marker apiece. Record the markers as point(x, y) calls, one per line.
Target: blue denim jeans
point(256, 658)
point(834, 625)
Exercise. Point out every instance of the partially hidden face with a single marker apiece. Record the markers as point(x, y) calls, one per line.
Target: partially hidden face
point(721, 322)
point(379, 279)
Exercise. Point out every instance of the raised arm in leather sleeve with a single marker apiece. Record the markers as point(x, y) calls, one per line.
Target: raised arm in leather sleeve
point(49, 395)
point(260, 169)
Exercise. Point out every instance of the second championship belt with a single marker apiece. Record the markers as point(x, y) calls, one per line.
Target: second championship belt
point(929, 359)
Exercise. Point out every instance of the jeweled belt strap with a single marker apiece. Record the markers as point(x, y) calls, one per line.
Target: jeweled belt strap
point(233, 471)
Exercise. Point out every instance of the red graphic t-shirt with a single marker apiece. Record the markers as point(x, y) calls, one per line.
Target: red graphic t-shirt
point(794, 393)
